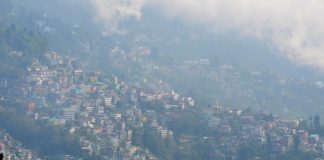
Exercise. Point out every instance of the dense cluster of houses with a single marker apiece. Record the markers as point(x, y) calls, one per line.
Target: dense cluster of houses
point(101, 109)
point(239, 127)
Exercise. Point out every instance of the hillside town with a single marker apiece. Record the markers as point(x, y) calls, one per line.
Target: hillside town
point(107, 109)
point(108, 115)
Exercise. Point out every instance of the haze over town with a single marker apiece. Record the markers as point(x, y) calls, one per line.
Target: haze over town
point(161, 79)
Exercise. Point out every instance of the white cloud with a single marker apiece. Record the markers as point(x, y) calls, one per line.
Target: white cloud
point(294, 27)
point(111, 12)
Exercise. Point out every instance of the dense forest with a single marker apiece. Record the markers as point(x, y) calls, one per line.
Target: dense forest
point(18, 47)
point(43, 137)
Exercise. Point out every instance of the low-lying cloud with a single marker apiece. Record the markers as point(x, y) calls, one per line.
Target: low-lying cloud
point(294, 27)
point(112, 12)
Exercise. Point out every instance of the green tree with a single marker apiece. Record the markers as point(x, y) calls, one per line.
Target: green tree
point(246, 152)
point(317, 124)
point(296, 143)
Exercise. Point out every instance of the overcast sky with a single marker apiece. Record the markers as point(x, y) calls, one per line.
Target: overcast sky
point(294, 27)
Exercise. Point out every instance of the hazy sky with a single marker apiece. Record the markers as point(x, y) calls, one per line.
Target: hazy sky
point(294, 27)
